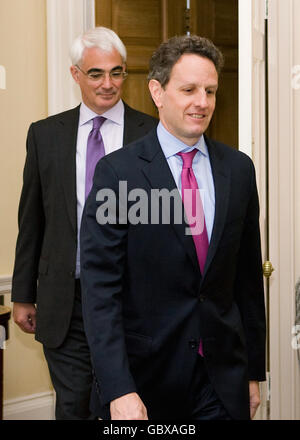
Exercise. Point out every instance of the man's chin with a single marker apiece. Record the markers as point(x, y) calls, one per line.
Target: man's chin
point(107, 102)
point(109, 99)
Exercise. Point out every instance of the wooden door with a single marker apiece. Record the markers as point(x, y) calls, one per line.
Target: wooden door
point(139, 24)
point(143, 25)
point(218, 21)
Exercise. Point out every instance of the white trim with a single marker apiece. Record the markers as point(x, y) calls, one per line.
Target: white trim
point(2, 78)
point(5, 285)
point(33, 407)
point(283, 196)
point(245, 76)
point(65, 20)
point(89, 18)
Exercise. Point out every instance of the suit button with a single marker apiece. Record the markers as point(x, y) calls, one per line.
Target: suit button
point(193, 344)
point(201, 298)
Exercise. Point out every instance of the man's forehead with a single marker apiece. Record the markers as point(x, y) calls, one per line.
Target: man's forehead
point(99, 57)
point(195, 68)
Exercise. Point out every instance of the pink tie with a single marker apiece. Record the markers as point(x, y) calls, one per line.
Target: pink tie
point(94, 152)
point(194, 209)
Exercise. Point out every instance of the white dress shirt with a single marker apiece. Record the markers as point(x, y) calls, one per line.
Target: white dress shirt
point(201, 167)
point(112, 131)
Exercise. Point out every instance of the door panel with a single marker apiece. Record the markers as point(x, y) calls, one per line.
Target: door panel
point(218, 21)
point(144, 24)
point(139, 24)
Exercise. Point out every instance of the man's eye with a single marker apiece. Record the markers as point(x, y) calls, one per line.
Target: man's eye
point(116, 74)
point(95, 75)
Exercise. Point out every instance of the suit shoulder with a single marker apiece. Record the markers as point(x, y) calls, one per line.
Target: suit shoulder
point(128, 154)
point(137, 114)
point(65, 115)
point(229, 152)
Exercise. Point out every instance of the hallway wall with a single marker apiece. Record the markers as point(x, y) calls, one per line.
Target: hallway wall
point(23, 54)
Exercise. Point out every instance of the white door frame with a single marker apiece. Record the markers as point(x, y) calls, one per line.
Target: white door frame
point(245, 76)
point(284, 193)
point(252, 121)
point(284, 186)
point(65, 20)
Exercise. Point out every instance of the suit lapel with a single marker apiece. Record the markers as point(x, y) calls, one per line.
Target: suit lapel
point(66, 142)
point(158, 174)
point(221, 176)
point(129, 125)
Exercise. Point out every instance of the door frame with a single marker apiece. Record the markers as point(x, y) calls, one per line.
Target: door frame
point(65, 21)
point(253, 128)
point(283, 192)
point(283, 195)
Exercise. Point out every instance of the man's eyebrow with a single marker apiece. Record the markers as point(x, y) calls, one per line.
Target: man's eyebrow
point(96, 70)
point(117, 68)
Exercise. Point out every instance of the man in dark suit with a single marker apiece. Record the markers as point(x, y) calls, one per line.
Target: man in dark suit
point(175, 322)
point(46, 288)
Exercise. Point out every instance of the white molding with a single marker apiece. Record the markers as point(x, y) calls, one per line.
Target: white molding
point(33, 407)
point(283, 196)
point(245, 76)
point(5, 284)
point(65, 20)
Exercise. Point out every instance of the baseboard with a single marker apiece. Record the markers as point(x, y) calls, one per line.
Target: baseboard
point(34, 407)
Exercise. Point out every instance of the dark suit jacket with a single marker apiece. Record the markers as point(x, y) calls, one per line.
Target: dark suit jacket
point(145, 304)
point(44, 271)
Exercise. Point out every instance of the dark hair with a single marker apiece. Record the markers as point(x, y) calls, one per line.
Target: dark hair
point(169, 52)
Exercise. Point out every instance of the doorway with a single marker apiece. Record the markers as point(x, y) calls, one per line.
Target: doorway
point(143, 25)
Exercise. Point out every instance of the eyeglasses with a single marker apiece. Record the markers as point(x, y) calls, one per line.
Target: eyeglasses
point(116, 74)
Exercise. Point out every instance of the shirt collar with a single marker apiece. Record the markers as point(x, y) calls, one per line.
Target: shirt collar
point(114, 114)
point(171, 145)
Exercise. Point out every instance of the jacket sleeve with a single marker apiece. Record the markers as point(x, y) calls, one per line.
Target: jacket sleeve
point(249, 288)
point(31, 223)
point(103, 259)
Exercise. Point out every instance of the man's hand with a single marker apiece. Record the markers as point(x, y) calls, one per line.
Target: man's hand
point(128, 407)
point(254, 397)
point(24, 315)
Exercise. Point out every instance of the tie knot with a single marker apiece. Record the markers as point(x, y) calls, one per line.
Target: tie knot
point(187, 158)
point(97, 122)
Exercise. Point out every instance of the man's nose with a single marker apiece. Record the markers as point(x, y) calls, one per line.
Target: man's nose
point(107, 81)
point(201, 99)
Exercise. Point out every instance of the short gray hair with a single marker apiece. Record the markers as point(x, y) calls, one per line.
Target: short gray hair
point(101, 37)
point(169, 52)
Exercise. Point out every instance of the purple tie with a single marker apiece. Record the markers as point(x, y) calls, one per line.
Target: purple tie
point(194, 208)
point(94, 152)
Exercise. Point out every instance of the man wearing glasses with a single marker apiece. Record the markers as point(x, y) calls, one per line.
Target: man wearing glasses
point(62, 152)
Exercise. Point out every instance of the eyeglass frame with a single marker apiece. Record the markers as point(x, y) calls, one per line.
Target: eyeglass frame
point(123, 75)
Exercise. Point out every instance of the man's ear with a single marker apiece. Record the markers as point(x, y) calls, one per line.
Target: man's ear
point(156, 91)
point(74, 73)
